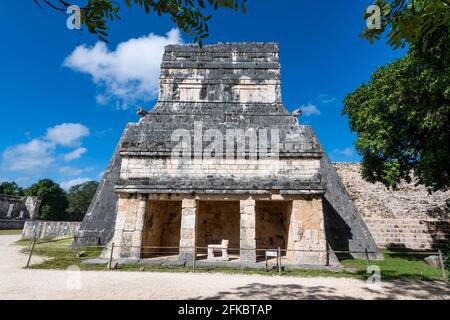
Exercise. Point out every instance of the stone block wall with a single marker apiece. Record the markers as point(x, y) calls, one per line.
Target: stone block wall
point(135, 168)
point(407, 217)
point(49, 229)
point(417, 234)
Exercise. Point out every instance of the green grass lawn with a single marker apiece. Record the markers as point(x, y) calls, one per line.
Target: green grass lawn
point(395, 265)
point(10, 232)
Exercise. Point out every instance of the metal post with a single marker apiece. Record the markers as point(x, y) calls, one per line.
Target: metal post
point(441, 262)
point(279, 261)
point(194, 259)
point(111, 257)
point(31, 252)
point(367, 257)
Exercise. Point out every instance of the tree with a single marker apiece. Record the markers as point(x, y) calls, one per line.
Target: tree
point(402, 118)
point(11, 189)
point(80, 197)
point(188, 15)
point(410, 21)
point(53, 197)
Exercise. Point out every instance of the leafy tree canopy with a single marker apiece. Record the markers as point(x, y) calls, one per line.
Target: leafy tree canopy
point(80, 198)
point(53, 197)
point(402, 117)
point(189, 15)
point(11, 189)
point(410, 21)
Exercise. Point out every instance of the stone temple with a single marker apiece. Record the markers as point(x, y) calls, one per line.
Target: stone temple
point(218, 158)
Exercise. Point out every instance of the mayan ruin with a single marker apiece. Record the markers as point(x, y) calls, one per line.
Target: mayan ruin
point(283, 194)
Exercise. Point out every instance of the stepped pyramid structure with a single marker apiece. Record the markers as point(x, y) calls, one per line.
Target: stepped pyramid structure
point(219, 157)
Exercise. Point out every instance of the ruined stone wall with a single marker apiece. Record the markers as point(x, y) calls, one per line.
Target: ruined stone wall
point(408, 217)
point(49, 229)
point(376, 201)
point(21, 208)
point(410, 233)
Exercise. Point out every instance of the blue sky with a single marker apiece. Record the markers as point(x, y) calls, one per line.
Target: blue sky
point(58, 121)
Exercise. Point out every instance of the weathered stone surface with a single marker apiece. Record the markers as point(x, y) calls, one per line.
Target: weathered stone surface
point(188, 229)
point(49, 229)
point(248, 231)
point(19, 208)
point(409, 201)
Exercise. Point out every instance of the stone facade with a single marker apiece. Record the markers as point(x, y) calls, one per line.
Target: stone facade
point(236, 165)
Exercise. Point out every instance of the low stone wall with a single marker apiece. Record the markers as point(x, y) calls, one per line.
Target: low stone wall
point(418, 234)
point(49, 229)
point(6, 224)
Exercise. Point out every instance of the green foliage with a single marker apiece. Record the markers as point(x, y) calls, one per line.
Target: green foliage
point(402, 118)
point(53, 197)
point(410, 21)
point(80, 198)
point(11, 189)
point(188, 15)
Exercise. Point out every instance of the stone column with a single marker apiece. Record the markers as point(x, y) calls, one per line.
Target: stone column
point(188, 229)
point(128, 233)
point(248, 231)
point(307, 233)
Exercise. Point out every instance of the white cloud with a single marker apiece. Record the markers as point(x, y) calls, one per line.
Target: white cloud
point(347, 152)
point(70, 171)
point(30, 157)
point(67, 134)
point(70, 183)
point(309, 110)
point(76, 154)
point(128, 73)
point(37, 155)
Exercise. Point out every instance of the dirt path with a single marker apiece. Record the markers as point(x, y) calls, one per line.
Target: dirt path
point(17, 283)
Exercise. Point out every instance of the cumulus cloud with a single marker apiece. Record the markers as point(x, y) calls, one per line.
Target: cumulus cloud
point(76, 154)
point(28, 157)
point(309, 110)
point(347, 152)
point(127, 74)
point(42, 152)
point(70, 183)
point(67, 134)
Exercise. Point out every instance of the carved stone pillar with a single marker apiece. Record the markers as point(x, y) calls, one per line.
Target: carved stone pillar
point(128, 233)
point(248, 231)
point(307, 233)
point(188, 229)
